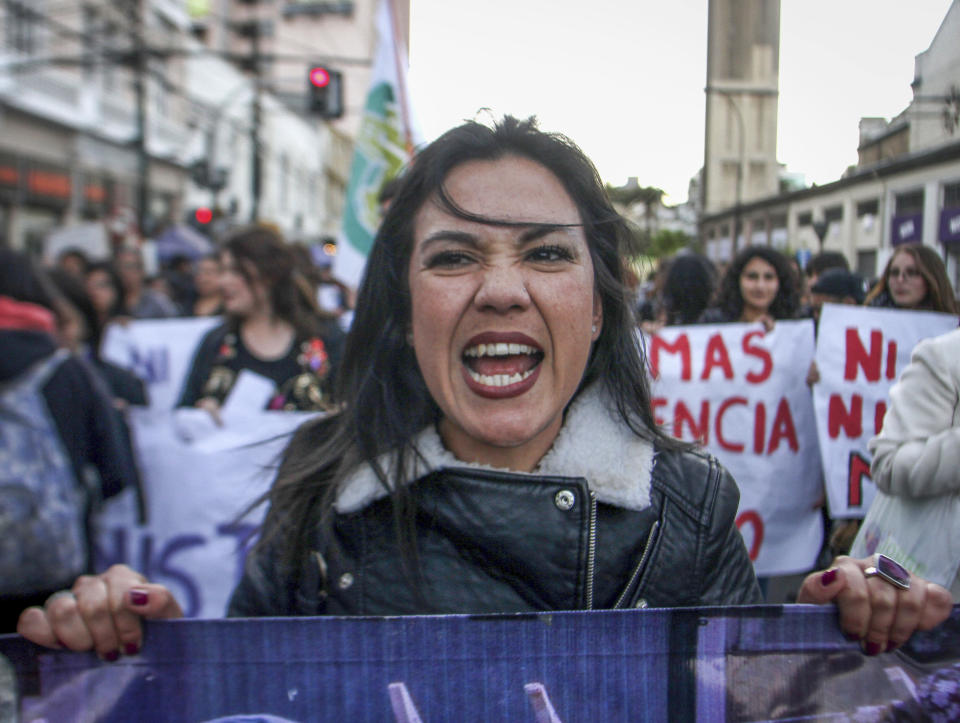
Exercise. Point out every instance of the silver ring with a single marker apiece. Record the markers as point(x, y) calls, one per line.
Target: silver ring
point(890, 571)
point(59, 594)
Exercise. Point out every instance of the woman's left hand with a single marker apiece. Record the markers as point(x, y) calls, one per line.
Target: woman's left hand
point(876, 612)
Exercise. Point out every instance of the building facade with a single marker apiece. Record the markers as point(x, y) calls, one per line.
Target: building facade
point(904, 189)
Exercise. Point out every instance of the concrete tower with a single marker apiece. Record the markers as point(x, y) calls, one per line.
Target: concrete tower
point(740, 149)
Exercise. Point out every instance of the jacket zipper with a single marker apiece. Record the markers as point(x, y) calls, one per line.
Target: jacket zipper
point(591, 550)
point(640, 565)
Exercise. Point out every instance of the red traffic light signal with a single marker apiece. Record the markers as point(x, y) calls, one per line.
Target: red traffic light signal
point(319, 77)
point(324, 92)
point(203, 216)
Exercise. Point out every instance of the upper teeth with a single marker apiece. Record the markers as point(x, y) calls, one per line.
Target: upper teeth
point(499, 349)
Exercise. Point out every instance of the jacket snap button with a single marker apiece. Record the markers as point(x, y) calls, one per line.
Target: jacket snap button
point(564, 500)
point(641, 603)
point(345, 581)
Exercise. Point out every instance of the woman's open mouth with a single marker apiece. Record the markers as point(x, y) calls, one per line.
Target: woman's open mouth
point(499, 369)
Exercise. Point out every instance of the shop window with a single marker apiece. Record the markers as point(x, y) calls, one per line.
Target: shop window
point(867, 264)
point(951, 195)
point(908, 203)
point(805, 218)
point(833, 213)
point(870, 207)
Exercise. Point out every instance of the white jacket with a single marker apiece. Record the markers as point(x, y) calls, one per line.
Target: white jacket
point(917, 453)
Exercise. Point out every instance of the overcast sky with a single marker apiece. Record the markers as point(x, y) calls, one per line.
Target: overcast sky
point(625, 78)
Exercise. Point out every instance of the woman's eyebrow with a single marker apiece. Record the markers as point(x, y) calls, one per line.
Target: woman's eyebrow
point(449, 235)
point(537, 231)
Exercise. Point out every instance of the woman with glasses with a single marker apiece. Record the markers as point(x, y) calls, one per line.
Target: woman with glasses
point(914, 279)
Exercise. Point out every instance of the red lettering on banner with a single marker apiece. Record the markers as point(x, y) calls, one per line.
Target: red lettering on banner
point(680, 346)
point(760, 353)
point(891, 360)
point(724, 406)
point(858, 468)
point(716, 355)
point(699, 431)
point(759, 428)
point(857, 356)
point(753, 518)
point(783, 428)
point(656, 403)
point(851, 421)
point(879, 412)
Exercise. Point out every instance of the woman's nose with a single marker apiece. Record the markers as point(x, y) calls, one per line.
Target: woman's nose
point(502, 288)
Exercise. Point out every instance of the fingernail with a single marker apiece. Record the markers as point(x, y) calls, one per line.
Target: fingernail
point(891, 646)
point(852, 637)
point(828, 577)
point(112, 657)
point(139, 597)
point(131, 648)
point(873, 648)
point(61, 643)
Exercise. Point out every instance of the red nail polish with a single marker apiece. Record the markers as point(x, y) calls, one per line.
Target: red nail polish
point(131, 648)
point(61, 643)
point(873, 648)
point(891, 646)
point(139, 597)
point(112, 657)
point(828, 577)
point(852, 637)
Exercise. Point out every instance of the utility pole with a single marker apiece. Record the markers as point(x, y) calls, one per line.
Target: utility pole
point(139, 65)
point(256, 121)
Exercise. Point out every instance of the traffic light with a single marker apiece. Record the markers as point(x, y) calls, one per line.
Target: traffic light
point(325, 92)
point(201, 218)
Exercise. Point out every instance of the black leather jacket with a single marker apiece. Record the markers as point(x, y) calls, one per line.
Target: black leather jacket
point(496, 542)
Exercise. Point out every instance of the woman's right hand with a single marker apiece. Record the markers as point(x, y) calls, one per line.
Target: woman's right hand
point(100, 612)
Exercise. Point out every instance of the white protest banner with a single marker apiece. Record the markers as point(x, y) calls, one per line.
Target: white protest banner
point(193, 540)
point(159, 351)
point(741, 393)
point(386, 141)
point(860, 353)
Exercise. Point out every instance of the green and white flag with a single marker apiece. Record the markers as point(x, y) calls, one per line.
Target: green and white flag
point(384, 144)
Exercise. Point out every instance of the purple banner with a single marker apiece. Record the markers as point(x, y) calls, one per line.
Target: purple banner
point(907, 228)
point(713, 664)
point(950, 225)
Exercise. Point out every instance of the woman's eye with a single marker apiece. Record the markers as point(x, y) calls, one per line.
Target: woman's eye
point(448, 259)
point(550, 253)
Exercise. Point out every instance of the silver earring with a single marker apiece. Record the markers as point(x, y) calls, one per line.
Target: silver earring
point(593, 329)
point(409, 338)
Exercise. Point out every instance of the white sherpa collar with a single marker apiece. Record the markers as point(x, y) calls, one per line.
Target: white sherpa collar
point(594, 443)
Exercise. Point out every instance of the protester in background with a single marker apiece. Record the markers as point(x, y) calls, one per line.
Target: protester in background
point(273, 328)
point(917, 453)
point(206, 283)
point(105, 291)
point(759, 285)
point(73, 261)
point(139, 300)
point(83, 336)
point(818, 264)
point(836, 286)
point(688, 289)
point(914, 279)
point(71, 429)
point(495, 449)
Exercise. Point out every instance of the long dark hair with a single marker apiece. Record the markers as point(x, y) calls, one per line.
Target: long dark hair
point(21, 278)
point(261, 254)
point(688, 289)
point(939, 291)
point(110, 272)
point(385, 399)
point(785, 304)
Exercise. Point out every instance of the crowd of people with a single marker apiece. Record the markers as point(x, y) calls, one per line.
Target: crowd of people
point(489, 443)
